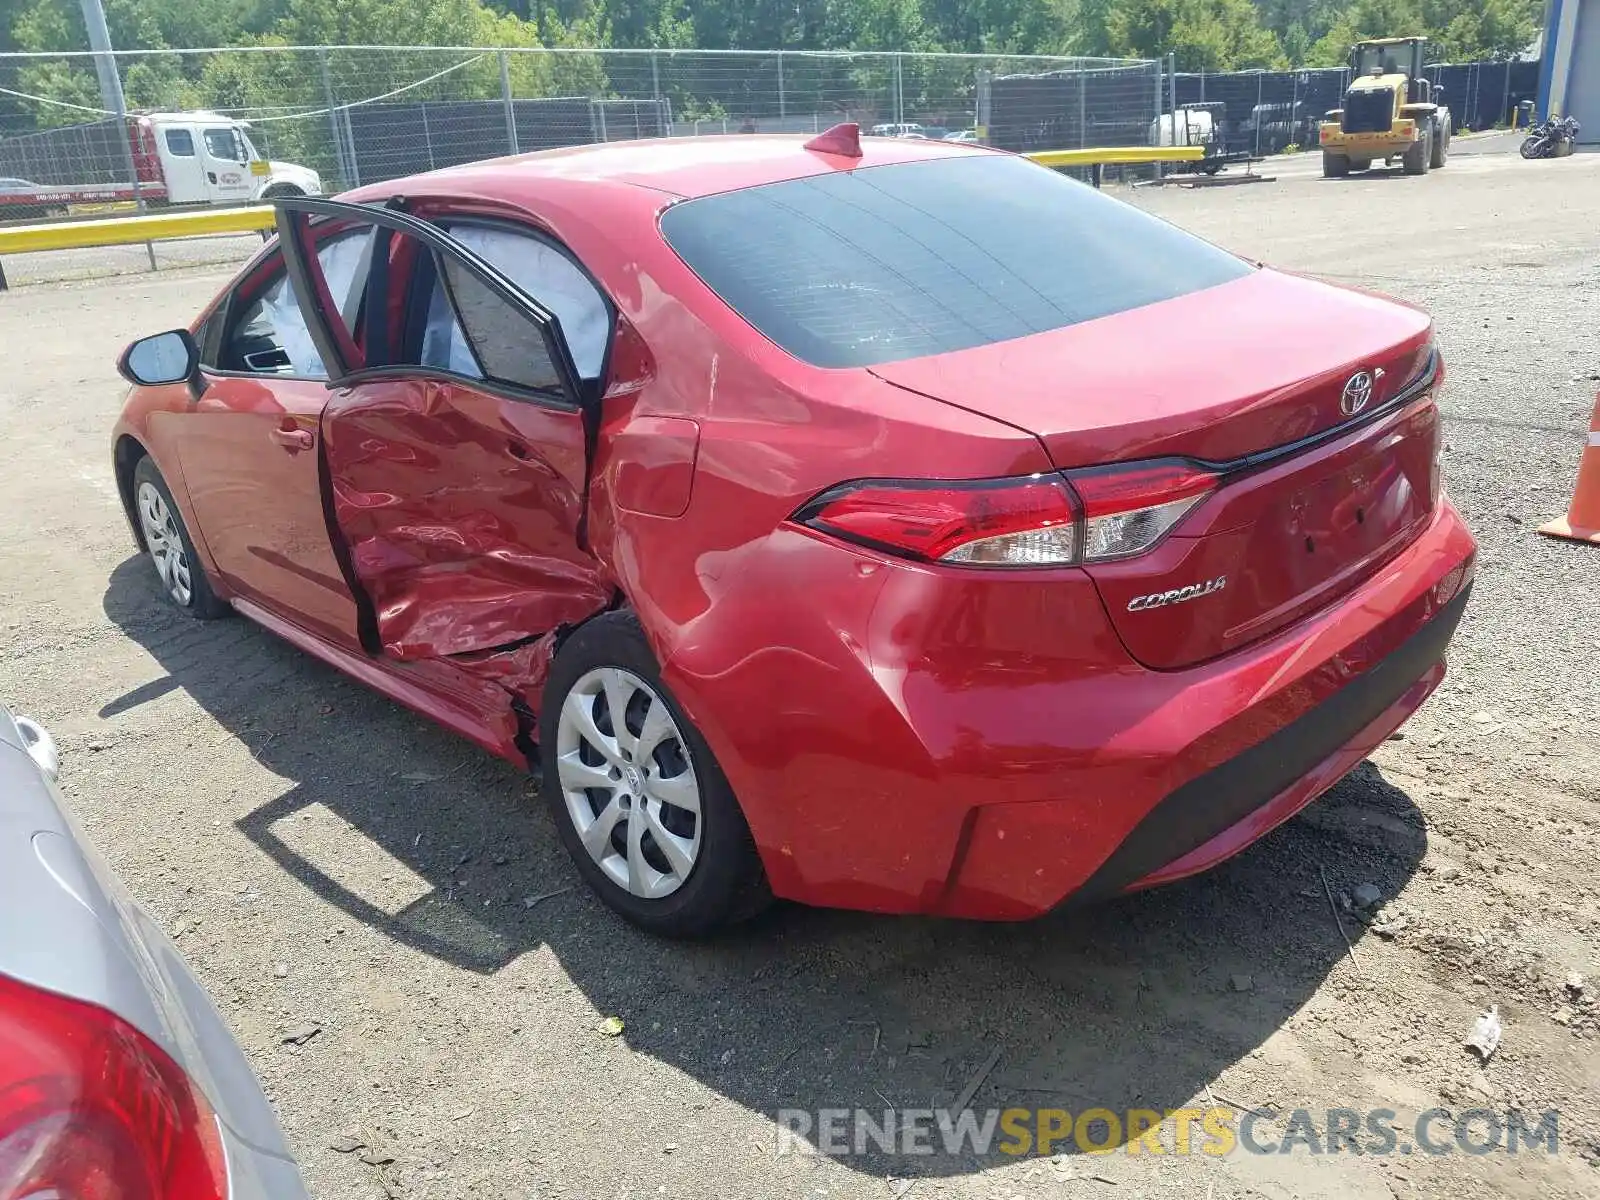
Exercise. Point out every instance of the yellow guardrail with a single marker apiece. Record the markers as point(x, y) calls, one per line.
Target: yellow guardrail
point(126, 231)
point(1100, 156)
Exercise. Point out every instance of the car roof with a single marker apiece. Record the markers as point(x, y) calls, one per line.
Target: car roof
point(682, 167)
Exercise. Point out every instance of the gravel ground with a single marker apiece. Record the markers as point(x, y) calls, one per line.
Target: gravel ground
point(325, 856)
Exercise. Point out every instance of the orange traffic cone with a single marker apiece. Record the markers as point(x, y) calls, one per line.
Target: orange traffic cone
point(1582, 522)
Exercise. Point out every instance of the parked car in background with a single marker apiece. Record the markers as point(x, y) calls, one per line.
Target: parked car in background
point(968, 137)
point(118, 1079)
point(900, 130)
point(836, 518)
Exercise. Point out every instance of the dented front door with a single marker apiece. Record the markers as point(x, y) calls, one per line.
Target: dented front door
point(456, 481)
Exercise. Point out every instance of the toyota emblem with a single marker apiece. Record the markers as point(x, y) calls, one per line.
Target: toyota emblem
point(1357, 393)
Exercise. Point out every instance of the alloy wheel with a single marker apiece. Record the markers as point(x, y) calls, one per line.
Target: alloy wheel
point(628, 782)
point(161, 535)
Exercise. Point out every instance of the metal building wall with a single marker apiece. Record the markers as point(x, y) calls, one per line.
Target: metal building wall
point(1583, 76)
point(1570, 76)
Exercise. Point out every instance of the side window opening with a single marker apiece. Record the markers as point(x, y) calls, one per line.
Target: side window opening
point(180, 143)
point(270, 335)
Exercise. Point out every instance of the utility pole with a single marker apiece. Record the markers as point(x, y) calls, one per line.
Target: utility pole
point(105, 65)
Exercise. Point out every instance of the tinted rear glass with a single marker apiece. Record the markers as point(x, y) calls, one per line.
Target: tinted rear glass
point(880, 264)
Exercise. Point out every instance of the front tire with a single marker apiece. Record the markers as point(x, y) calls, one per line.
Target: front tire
point(171, 550)
point(1415, 160)
point(1441, 146)
point(638, 800)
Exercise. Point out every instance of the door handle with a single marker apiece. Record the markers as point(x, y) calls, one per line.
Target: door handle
point(294, 439)
point(211, 176)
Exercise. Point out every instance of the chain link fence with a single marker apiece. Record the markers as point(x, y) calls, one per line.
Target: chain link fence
point(1264, 112)
point(358, 115)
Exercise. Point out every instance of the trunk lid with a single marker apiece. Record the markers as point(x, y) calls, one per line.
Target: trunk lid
point(1239, 376)
point(1275, 544)
point(1217, 374)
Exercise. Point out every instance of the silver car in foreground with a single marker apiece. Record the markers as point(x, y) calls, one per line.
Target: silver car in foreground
point(118, 1079)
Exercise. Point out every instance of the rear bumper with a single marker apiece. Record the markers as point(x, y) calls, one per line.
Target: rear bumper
point(1215, 815)
point(1306, 737)
point(925, 741)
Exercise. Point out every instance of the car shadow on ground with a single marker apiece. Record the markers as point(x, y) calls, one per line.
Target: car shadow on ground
point(1141, 1003)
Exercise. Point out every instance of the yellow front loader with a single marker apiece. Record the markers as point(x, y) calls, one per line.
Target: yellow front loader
point(1390, 111)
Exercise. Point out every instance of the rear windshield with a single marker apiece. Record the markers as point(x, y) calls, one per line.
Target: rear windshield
point(854, 268)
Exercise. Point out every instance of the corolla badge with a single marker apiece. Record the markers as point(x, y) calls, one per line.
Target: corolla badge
point(1177, 595)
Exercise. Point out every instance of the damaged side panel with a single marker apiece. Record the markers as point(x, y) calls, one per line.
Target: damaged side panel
point(519, 668)
point(460, 512)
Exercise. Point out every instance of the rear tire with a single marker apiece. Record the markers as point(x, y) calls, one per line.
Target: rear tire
point(690, 867)
point(1334, 166)
point(182, 578)
point(1440, 148)
point(1415, 160)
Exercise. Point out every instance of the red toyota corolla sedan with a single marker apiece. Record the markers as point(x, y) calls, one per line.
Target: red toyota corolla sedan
point(887, 524)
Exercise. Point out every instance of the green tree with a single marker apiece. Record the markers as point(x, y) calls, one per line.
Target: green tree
point(1296, 45)
point(1204, 35)
point(1471, 30)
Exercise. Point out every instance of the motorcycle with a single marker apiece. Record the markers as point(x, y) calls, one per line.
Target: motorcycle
point(1553, 137)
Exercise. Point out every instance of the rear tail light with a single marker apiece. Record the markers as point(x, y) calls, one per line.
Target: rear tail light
point(92, 1109)
point(1128, 509)
point(1024, 522)
point(1035, 521)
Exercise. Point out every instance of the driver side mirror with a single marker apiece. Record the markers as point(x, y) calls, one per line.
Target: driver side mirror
point(162, 358)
